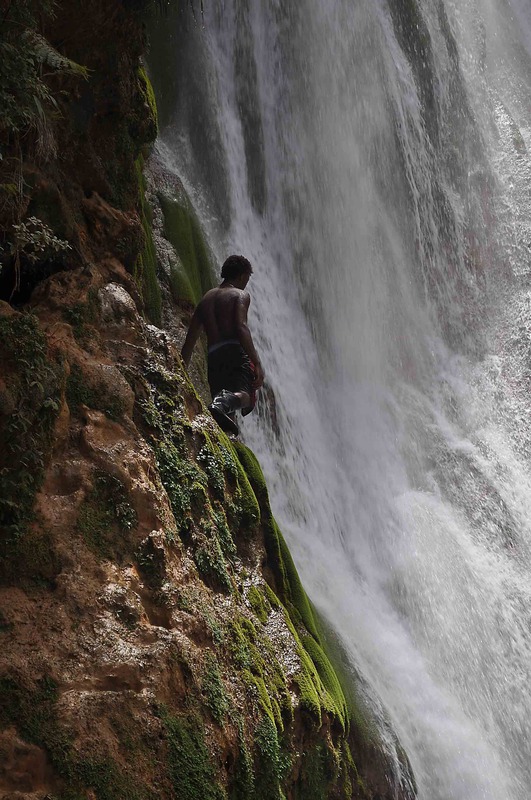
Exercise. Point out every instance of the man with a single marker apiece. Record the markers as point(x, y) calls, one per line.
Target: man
point(234, 369)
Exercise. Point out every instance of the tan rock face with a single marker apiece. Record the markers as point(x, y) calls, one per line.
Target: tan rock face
point(24, 768)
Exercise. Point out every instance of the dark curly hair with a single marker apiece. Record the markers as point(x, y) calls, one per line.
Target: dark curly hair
point(235, 266)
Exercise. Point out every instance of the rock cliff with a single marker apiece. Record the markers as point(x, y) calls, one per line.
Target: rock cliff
point(156, 640)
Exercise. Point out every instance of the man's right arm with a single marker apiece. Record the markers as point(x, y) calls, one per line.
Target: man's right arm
point(192, 336)
point(245, 338)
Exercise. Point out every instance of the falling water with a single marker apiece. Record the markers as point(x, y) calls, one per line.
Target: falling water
point(371, 159)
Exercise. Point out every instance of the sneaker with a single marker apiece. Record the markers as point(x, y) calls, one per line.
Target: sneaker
point(222, 405)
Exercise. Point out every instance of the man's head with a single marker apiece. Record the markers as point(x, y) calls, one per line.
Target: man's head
point(237, 270)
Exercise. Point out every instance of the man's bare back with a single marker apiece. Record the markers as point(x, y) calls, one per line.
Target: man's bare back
point(222, 311)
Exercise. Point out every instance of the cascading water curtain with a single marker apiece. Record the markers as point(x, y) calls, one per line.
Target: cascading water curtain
point(371, 159)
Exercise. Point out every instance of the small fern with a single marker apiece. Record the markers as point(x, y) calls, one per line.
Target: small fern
point(25, 98)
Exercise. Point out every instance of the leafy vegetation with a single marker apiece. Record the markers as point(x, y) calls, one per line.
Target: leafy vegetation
point(28, 104)
point(26, 59)
point(29, 409)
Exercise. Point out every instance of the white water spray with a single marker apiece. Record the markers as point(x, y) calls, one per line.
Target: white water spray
point(371, 159)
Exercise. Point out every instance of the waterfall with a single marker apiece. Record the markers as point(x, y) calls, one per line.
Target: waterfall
point(371, 159)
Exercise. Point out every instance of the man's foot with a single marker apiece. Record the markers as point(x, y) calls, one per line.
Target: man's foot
point(222, 405)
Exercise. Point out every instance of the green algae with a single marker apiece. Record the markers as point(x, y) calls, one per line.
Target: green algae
point(148, 95)
point(193, 275)
point(191, 771)
point(258, 603)
point(319, 687)
point(145, 271)
point(272, 761)
point(289, 586)
point(213, 689)
point(242, 784)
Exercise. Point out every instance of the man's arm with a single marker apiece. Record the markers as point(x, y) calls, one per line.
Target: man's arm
point(245, 338)
point(192, 336)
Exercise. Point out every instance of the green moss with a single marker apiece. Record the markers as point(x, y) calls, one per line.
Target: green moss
point(35, 384)
point(81, 315)
point(258, 603)
point(145, 271)
point(181, 478)
point(151, 563)
point(81, 392)
point(30, 560)
point(308, 682)
point(242, 787)
point(265, 702)
point(148, 95)
point(223, 533)
point(271, 596)
point(359, 715)
point(334, 701)
point(289, 586)
point(211, 564)
point(319, 686)
point(212, 464)
point(213, 689)
point(244, 509)
point(191, 771)
point(238, 645)
point(33, 713)
point(194, 275)
point(271, 762)
point(261, 671)
point(216, 631)
point(319, 774)
point(103, 513)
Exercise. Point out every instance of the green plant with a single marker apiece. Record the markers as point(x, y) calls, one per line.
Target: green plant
point(35, 383)
point(213, 689)
point(28, 103)
point(35, 240)
point(26, 59)
point(33, 712)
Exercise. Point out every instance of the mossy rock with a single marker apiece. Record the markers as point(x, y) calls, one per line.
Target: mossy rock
point(105, 517)
point(27, 424)
point(193, 275)
point(145, 271)
point(32, 710)
point(320, 688)
point(191, 771)
point(289, 586)
point(93, 393)
point(148, 95)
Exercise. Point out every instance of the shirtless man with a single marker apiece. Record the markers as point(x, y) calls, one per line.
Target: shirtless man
point(234, 369)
